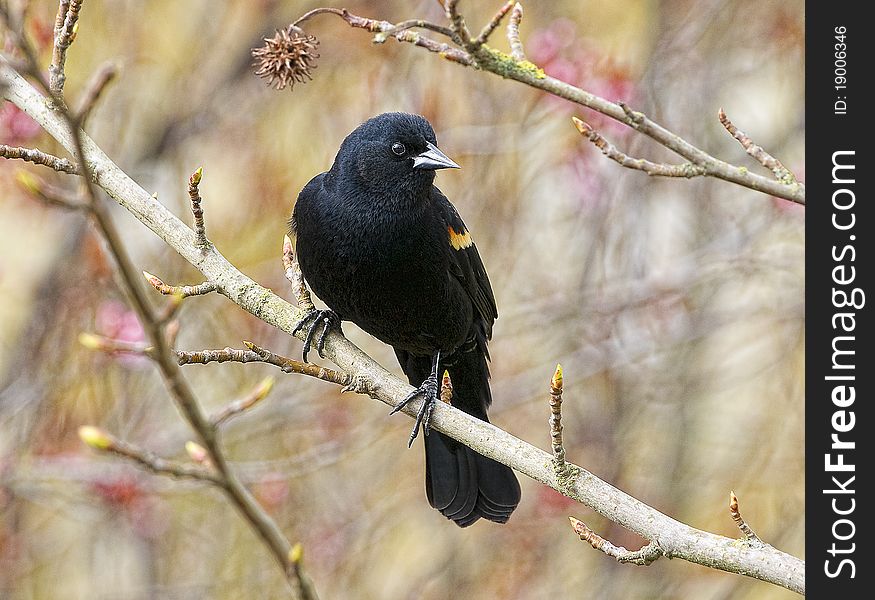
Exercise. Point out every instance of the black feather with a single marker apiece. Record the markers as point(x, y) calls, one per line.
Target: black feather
point(385, 249)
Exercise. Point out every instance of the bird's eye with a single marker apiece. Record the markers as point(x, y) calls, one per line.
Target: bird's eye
point(398, 149)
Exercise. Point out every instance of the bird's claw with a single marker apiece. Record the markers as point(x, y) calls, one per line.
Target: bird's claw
point(326, 318)
point(430, 390)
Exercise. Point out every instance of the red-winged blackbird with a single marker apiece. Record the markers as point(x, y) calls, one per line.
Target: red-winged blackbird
point(385, 249)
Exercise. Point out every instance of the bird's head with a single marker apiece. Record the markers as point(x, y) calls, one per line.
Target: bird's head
point(394, 153)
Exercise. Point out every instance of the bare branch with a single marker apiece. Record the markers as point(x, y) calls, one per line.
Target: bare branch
point(460, 34)
point(194, 195)
point(103, 77)
point(75, 141)
point(556, 420)
point(255, 353)
point(290, 365)
point(513, 33)
point(739, 521)
point(781, 172)
point(446, 51)
point(238, 407)
point(49, 194)
point(411, 24)
point(100, 343)
point(517, 68)
point(101, 440)
point(651, 168)
point(182, 291)
point(494, 23)
point(37, 157)
point(643, 557)
point(66, 27)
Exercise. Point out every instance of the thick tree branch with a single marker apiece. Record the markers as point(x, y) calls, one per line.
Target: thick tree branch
point(76, 142)
point(675, 538)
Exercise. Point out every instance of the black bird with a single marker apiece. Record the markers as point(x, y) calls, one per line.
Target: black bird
point(385, 249)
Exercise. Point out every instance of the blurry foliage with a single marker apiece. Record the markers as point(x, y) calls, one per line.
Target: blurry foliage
point(674, 306)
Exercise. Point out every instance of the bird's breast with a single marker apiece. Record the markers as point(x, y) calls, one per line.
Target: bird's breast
point(389, 275)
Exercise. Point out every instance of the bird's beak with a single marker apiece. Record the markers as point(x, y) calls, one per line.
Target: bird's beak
point(433, 158)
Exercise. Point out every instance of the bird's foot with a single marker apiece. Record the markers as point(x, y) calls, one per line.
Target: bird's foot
point(430, 391)
point(324, 318)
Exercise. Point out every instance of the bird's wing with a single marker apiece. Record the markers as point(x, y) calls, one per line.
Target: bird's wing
point(465, 261)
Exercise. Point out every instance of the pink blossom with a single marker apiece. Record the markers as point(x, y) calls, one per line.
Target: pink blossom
point(16, 127)
point(118, 322)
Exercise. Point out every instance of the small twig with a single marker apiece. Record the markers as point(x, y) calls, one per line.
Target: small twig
point(290, 365)
point(640, 164)
point(460, 34)
point(49, 194)
point(61, 165)
point(168, 312)
point(343, 13)
point(171, 325)
point(194, 194)
point(104, 75)
point(296, 559)
point(411, 24)
point(556, 420)
point(739, 521)
point(296, 277)
point(65, 33)
point(100, 440)
point(240, 406)
point(101, 343)
point(255, 353)
point(183, 291)
point(447, 51)
point(494, 23)
point(63, 6)
point(635, 117)
point(513, 33)
point(781, 172)
point(206, 356)
point(642, 557)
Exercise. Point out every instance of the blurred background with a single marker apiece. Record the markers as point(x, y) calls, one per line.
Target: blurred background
point(674, 306)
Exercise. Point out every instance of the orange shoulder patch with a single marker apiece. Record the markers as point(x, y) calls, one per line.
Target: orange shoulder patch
point(459, 240)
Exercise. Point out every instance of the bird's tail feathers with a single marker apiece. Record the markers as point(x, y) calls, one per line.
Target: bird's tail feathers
point(459, 482)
